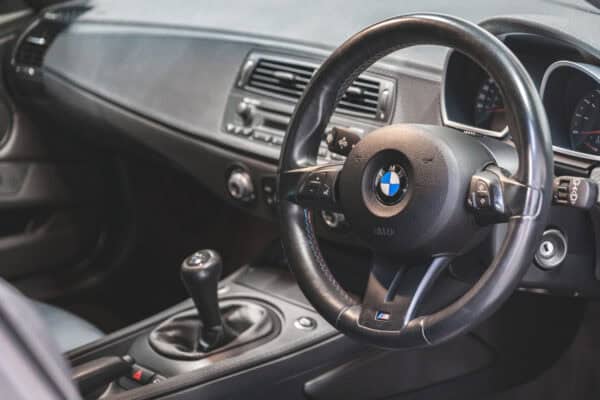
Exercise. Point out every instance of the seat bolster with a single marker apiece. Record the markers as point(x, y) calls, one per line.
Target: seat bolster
point(68, 330)
point(31, 367)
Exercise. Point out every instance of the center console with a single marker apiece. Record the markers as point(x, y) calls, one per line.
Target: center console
point(253, 336)
point(246, 323)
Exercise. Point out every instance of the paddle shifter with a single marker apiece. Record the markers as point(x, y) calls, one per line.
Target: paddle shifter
point(200, 274)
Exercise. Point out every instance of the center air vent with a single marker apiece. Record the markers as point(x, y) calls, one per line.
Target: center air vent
point(361, 98)
point(283, 77)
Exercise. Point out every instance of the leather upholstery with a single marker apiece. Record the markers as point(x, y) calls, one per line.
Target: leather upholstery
point(68, 330)
point(178, 338)
point(32, 366)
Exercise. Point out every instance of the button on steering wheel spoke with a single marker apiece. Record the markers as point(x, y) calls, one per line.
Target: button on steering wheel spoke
point(496, 197)
point(312, 187)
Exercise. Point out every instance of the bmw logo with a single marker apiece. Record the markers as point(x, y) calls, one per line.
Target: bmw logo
point(391, 184)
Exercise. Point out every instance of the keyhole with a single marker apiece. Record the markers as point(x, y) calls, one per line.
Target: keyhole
point(547, 249)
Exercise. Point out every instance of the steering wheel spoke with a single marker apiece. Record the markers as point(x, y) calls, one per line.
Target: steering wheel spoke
point(395, 293)
point(496, 198)
point(312, 187)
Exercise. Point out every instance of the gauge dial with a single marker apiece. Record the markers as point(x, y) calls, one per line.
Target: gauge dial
point(585, 124)
point(489, 110)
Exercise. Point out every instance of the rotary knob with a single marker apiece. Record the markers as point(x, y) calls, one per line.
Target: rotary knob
point(239, 185)
point(246, 112)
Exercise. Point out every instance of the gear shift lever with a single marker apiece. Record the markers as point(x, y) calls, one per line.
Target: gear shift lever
point(214, 325)
point(200, 274)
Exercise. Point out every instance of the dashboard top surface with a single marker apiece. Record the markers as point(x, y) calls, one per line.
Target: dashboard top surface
point(187, 35)
point(312, 23)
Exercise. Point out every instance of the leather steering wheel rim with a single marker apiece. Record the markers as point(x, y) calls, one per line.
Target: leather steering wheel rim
point(527, 122)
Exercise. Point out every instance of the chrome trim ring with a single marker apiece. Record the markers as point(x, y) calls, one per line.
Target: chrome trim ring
point(457, 125)
point(590, 70)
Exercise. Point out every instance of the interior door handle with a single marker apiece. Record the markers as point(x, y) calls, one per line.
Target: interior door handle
point(31, 184)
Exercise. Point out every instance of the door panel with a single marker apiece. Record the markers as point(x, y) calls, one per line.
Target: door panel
point(52, 208)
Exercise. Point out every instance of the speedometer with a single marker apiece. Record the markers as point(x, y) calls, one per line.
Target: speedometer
point(585, 124)
point(489, 110)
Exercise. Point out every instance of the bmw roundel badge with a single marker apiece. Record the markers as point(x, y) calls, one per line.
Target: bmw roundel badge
point(391, 184)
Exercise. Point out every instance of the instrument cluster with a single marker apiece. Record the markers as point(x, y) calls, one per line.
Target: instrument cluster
point(569, 86)
point(571, 94)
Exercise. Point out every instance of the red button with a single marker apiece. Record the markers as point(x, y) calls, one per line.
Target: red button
point(137, 375)
point(141, 374)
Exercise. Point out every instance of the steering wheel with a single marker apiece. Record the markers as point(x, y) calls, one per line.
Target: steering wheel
point(416, 195)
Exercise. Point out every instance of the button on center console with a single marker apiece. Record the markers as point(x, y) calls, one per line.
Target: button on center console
point(139, 376)
point(305, 323)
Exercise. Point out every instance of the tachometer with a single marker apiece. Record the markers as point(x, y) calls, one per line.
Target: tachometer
point(585, 124)
point(489, 110)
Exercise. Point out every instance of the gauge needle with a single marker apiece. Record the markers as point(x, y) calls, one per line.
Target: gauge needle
point(594, 132)
point(496, 110)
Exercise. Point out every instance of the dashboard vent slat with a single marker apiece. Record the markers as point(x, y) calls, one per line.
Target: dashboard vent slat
point(288, 78)
point(355, 106)
point(278, 89)
point(282, 66)
point(366, 84)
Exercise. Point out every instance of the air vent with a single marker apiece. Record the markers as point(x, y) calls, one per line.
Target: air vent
point(361, 98)
point(33, 45)
point(287, 78)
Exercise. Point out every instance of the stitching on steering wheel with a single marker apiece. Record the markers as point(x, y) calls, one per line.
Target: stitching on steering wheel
point(319, 257)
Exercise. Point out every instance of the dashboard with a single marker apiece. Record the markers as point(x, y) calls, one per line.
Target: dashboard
point(215, 103)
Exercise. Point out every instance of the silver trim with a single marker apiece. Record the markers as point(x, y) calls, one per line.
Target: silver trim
point(309, 324)
point(558, 254)
point(457, 125)
point(590, 70)
point(37, 40)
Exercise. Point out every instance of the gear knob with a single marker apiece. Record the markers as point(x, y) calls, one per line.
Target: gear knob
point(200, 274)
